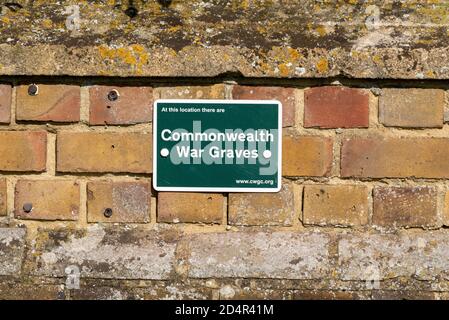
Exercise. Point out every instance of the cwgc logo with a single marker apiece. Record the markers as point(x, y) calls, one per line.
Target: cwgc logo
point(233, 146)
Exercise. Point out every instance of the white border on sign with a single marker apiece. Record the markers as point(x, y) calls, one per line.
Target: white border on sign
point(214, 189)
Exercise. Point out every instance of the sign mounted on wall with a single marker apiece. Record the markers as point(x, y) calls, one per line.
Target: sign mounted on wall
point(217, 145)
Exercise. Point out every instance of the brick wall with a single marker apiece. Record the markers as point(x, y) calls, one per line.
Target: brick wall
point(361, 214)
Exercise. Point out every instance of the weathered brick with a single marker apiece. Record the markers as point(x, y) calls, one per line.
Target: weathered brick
point(58, 103)
point(251, 293)
point(284, 255)
point(336, 107)
point(403, 295)
point(371, 257)
point(285, 95)
point(329, 295)
point(108, 253)
point(190, 207)
point(306, 155)
point(101, 291)
point(5, 103)
point(177, 291)
point(378, 157)
point(446, 209)
point(12, 247)
point(3, 197)
point(50, 199)
point(30, 291)
point(134, 105)
point(129, 201)
point(412, 108)
point(23, 150)
point(191, 92)
point(104, 152)
point(254, 209)
point(405, 206)
point(343, 205)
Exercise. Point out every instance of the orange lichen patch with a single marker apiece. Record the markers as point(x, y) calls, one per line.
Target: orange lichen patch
point(377, 59)
point(321, 30)
point(47, 23)
point(284, 70)
point(174, 29)
point(322, 65)
point(244, 4)
point(172, 52)
point(135, 55)
point(294, 54)
point(430, 74)
point(265, 67)
point(261, 29)
point(285, 55)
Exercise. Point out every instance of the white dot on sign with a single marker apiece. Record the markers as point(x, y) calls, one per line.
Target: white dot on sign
point(165, 152)
point(267, 154)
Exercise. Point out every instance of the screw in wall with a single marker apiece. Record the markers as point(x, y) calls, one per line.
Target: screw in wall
point(107, 212)
point(33, 90)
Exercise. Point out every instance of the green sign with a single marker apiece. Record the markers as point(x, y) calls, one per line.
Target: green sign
point(217, 145)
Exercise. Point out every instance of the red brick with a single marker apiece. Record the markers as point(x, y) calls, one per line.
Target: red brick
point(23, 150)
point(342, 205)
point(50, 199)
point(3, 197)
point(58, 103)
point(336, 107)
point(405, 207)
point(134, 105)
point(5, 103)
point(306, 155)
point(256, 209)
point(129, 201)
point(285, 95)
point(190, 207)
point(104, 152)
point(412, 108)
point(378, 157)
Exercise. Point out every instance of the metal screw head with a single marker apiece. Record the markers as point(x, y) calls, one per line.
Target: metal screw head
point(33, 90)
point(107, 212)
point(27, 207)
point(113, 95)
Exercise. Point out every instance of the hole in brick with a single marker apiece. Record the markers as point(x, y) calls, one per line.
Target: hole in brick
point(108, 107)
point(33, 90)
point(131, 12)
point(113, 95)
point(113, 146)
point(107, 212)
point(27, 207)
point(209, 198)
